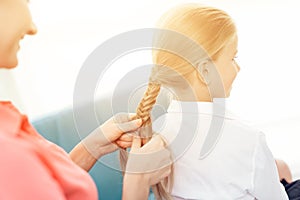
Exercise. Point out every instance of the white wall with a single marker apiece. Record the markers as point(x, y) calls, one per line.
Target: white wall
point(70, 30)
point(9, 89)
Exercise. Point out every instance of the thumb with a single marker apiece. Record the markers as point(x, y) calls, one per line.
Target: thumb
point(136, 143)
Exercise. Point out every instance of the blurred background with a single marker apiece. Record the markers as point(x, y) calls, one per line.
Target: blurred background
point(264, 94)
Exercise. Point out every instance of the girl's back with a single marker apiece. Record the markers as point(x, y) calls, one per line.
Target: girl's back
point(239, 165)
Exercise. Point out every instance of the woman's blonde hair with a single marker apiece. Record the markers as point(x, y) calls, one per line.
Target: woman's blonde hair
point(210, 28)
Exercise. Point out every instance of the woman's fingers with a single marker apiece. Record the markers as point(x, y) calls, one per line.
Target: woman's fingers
point(136, 143)
point(123, 144)
point(120, 118)
point(155, 144)
point(126, 137)
point(159, 175)
point(123, 117)
point(129, 126)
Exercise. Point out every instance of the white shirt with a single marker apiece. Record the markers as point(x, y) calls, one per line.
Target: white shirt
point(239, 164)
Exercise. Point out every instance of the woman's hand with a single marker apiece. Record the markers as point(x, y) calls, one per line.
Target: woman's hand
point(118, 130)
point(105, 139)
point(146, 166)
point(111, 134)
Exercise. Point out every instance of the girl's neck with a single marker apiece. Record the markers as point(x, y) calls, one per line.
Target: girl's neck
point(201, 94)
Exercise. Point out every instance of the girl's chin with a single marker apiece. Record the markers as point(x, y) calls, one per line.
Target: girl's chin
point(228, 92)
point(10, 64)
point(8, 67)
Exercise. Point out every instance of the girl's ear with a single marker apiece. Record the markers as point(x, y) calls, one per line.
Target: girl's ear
point(204, 71)
point(213, 79)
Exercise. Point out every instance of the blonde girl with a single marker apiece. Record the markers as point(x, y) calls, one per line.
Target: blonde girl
point(238, 164)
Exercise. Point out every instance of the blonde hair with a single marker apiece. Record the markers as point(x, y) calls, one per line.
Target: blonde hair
point(208, 27)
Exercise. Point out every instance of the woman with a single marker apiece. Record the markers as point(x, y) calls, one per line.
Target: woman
point(34, 168)
point(217, 157)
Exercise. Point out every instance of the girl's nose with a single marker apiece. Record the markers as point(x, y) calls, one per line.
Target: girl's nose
point(32, 29)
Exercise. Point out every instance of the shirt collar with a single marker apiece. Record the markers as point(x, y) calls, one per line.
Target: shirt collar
point(216, 108)
point(10, 118)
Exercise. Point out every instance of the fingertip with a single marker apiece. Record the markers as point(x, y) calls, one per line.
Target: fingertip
point(132, 116)
point(136, 142)
point(139, 122)
point(136, 138)
point(123, 144)
point(158, 139)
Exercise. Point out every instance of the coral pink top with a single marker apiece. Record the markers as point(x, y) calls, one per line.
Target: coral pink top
point(33, 168)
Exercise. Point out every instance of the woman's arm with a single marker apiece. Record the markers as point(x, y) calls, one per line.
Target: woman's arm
point(103, 140)
point(24, 175)
point(146, 166)
point(82, 157)
point(135, 187)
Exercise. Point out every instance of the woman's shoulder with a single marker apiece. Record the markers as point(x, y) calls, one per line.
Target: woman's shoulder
point(24, 171)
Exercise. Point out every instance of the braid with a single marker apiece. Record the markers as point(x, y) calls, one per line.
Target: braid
point(146, 104)
point(143, 112)
point(144, 109)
